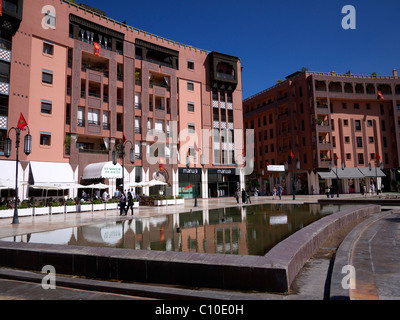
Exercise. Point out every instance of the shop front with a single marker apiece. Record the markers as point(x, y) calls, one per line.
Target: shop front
point(222, 183)
point(189, 182)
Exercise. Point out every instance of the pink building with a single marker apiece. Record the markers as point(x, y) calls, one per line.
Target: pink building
point(338, 130)
point(85, 83)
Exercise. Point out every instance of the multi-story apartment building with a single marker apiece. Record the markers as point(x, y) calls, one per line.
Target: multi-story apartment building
point(331, 129)
point(85, 83)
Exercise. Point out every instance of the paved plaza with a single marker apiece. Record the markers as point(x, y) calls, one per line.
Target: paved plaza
point(374, 251)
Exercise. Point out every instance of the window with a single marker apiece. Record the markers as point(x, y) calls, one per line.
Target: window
point(191, 107)
point(272, 148)
point(94, 116)
point(371, 139)
point(48, 48)
point(369, 123)
point(356, 106)
point(137, 101)
point(359, 142)
point(190, 64)
point(345, 123)
point(360, 157)
point(47, 76)
point(46, 107)
point(383, 125)
point(347, 139)
point(344, 105)
point(190, 86)
point(45, 139)
point(382, 109)
point(271, 133)
point(348, 156)
point(191, 128)
point(358, 125)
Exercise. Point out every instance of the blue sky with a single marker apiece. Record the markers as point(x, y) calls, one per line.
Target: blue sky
point(274, 38)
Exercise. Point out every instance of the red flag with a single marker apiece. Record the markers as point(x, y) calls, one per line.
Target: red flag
point(291, 154)
point(22, 122)
point(96, 48)
point(123, 138)
point(336, 157)
point(377, 156)
point(244, 152)
point(380, 96)
point(1, 9)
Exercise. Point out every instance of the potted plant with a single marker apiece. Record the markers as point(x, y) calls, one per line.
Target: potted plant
point(97, 204)
point(56, 207)
point(70, 206)
point(179, 199)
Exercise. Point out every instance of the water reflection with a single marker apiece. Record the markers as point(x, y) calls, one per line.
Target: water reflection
point(251, 230)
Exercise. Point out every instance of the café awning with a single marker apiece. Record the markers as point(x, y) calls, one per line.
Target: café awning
point(374, 172)
point(51, 175)
point(102, 170)
point(327, 175)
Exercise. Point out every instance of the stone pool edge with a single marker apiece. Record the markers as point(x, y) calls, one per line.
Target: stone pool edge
point(273, 272)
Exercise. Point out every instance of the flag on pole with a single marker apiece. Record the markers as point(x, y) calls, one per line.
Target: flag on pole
point(123, 138)
point(22, 122)
point(377, 156)
point(291, 154)
point(380, 96)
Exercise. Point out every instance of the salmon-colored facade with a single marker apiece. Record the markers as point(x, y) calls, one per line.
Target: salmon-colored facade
point(333, 130)
point(85, 83)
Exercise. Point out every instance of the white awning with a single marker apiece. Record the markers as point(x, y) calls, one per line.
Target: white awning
point(102, 170)
point(7, 173)
point(54, 175)
point(374, 172)
point(327, 175)
point(348, 173)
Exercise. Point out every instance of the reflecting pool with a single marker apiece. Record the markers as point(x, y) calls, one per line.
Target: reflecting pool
point(248, 230)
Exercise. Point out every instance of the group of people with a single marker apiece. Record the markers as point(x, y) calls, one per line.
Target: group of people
point(125, 203)
point(277, 191)
point(245, 196)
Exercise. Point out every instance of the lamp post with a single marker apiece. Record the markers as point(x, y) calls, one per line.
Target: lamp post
point(293, 181)
point(7, 153)
point(202, 163)
point(337, 176)
point(122, 151)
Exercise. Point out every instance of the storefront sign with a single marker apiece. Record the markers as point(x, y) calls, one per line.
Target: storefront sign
point(221, 171)
point(276, 168)
point(189, 171)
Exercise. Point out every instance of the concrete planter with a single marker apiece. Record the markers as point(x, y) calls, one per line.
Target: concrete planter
point(55, 210)
point(70, 208)
point(179, 201)
point(86, 207)
point(99, 206)
point(111, 206)
point(41, 211)
point(6, 213)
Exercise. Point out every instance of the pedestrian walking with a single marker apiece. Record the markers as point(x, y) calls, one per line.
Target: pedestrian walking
point(243, 196)
point(122, 204)
point(280, 192)
point(248, 197)
point(130, 203)
point(274, 193)
point(327, 191)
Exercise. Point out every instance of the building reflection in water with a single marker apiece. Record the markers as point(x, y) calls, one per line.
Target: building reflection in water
point(249, 230)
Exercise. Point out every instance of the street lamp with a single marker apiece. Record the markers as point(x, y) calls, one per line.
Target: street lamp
point(293, 181)
point(131, 158)
point(202, 163)
point(7, 153)
point(337, 176)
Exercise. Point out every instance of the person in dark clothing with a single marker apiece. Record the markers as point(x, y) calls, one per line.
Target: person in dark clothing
point(130, 203)
point(248, 197)
point(122, 204)
point(237, 196)
point(243, 196)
